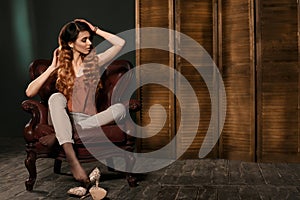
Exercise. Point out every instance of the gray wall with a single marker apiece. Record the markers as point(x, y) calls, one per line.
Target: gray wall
point(29, 31)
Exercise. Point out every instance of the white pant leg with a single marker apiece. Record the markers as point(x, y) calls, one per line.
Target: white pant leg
point(60, 118)
point(115, 112)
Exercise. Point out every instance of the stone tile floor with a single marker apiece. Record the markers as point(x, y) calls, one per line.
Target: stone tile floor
point(184, 179)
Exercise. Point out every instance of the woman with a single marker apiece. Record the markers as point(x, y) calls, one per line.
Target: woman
point(77, 66)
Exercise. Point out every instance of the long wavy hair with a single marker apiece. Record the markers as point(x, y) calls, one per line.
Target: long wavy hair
point(66, 74)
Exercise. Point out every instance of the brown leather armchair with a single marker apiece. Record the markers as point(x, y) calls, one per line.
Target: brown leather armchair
point(38, 126)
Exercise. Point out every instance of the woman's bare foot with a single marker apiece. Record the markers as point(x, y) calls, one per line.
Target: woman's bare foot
point(78, 172)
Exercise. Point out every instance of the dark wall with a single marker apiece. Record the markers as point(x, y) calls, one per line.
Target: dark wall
point(29, 31)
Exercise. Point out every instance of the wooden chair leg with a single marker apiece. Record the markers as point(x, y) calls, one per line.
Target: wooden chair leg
point(131, 179)
point(57, 166)
point(30, 163)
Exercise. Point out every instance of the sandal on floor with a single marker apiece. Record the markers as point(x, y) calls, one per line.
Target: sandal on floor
point(94, 175)
point(97, 193)
point(77, 191)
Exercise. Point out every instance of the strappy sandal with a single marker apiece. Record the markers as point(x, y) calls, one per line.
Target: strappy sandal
point(96, 192)
point(94, 175)
point(77, 191)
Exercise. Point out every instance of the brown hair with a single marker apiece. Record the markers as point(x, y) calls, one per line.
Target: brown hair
point(65, 73)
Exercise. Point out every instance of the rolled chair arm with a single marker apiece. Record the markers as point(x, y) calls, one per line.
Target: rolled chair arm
point(39, 111)
point(39, 114)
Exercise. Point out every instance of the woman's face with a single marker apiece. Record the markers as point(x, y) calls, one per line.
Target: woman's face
point(83, 43)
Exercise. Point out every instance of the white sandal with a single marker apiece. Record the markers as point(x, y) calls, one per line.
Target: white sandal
point(94, 175)
point(97, 193)
point(77, 191)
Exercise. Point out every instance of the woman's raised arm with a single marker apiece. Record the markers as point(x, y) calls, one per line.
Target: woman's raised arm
point(115, 40)
point(110, 53)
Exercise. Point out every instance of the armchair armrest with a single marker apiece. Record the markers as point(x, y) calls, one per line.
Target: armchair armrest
point(38, 110)
point(39, 117)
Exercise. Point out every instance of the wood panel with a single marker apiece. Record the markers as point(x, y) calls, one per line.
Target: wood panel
point(195, 19)
point(237, 63)
point(278, 81)
point(156, 13)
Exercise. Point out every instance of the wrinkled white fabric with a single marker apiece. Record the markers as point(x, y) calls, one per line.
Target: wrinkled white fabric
point(59, 118)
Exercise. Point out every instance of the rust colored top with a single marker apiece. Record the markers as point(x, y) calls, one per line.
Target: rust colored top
point(83, 97)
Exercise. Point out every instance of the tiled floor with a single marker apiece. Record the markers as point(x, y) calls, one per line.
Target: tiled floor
point(185, 179)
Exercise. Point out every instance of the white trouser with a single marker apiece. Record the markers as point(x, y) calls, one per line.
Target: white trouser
point(61, 121)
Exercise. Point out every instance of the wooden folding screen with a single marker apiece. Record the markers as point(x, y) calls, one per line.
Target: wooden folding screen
point(255, 45)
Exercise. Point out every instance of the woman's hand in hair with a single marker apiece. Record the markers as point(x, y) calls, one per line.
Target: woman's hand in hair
point(55, 62)
point(92, 27)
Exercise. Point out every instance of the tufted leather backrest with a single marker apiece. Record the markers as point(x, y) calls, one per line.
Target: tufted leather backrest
point(103, 96)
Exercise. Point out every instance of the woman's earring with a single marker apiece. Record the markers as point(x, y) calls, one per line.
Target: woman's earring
point(71, 46)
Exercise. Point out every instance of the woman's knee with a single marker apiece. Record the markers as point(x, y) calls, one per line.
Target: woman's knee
point(57, 99)
point(118, 110)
